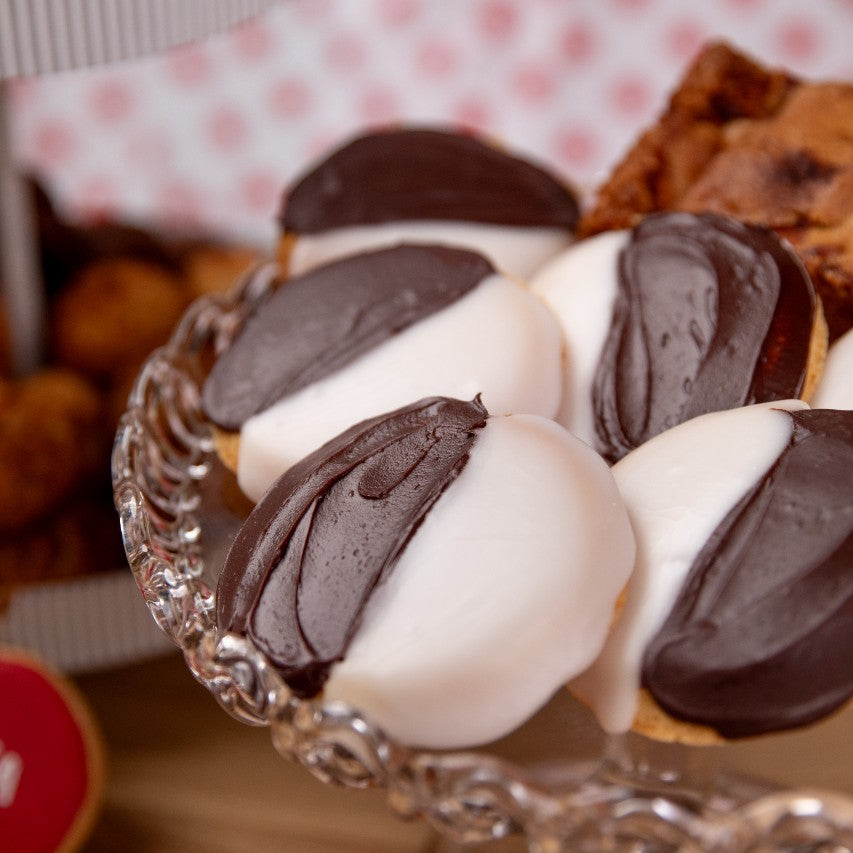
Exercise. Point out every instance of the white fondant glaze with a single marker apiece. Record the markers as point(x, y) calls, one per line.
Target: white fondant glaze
point(678, 487)
point(515, 250)
point(579, 286)
point(835, 390)
point(505, 592)
point(498, 340)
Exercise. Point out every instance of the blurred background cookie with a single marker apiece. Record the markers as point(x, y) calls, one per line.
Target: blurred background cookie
point(114, 292)
point(114, 312)
point(51, 435)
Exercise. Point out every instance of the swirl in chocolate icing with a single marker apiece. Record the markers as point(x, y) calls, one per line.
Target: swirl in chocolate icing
point(710, 314)
point(323, 320)
point(425, 174)
point(305, 563)
point(761, 636)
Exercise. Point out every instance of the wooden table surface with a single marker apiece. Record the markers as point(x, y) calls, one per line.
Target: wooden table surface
point(185, 776)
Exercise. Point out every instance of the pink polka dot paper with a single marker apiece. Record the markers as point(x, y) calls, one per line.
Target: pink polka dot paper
point(208, 135)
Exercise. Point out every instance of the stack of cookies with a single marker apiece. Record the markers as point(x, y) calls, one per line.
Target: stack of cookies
point(495, 448)
point(114, 293)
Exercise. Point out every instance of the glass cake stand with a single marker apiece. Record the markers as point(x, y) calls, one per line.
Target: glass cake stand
point(558, 782)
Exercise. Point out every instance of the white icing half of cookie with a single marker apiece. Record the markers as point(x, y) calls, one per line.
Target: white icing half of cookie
point(678, 487)
point(579, 286)
point(515, 250)
point(498, 340)
point(835, 390)
point(506, 591)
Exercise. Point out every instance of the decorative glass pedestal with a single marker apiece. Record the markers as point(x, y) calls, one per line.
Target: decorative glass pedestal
point(558, 781)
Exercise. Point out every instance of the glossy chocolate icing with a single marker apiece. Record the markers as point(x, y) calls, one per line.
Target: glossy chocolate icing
point(761, 636)
point(305, 563)
point(710, 314)
point(425, 174)
point(321, 321)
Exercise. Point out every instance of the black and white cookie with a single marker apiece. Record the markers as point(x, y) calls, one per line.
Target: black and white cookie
point(425, 185)
point(367, 334)
point(681, 315)
point(738, 619)
point(442, 570)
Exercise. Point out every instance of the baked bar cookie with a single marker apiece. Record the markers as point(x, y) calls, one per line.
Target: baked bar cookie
point(738, 618)
point(443, 571)
point(757, 144)
point(426, 185)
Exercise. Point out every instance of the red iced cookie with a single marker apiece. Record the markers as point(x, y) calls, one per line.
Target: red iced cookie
point(51, 758)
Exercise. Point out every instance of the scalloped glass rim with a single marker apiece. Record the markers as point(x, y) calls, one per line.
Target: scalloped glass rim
point(164, 461)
